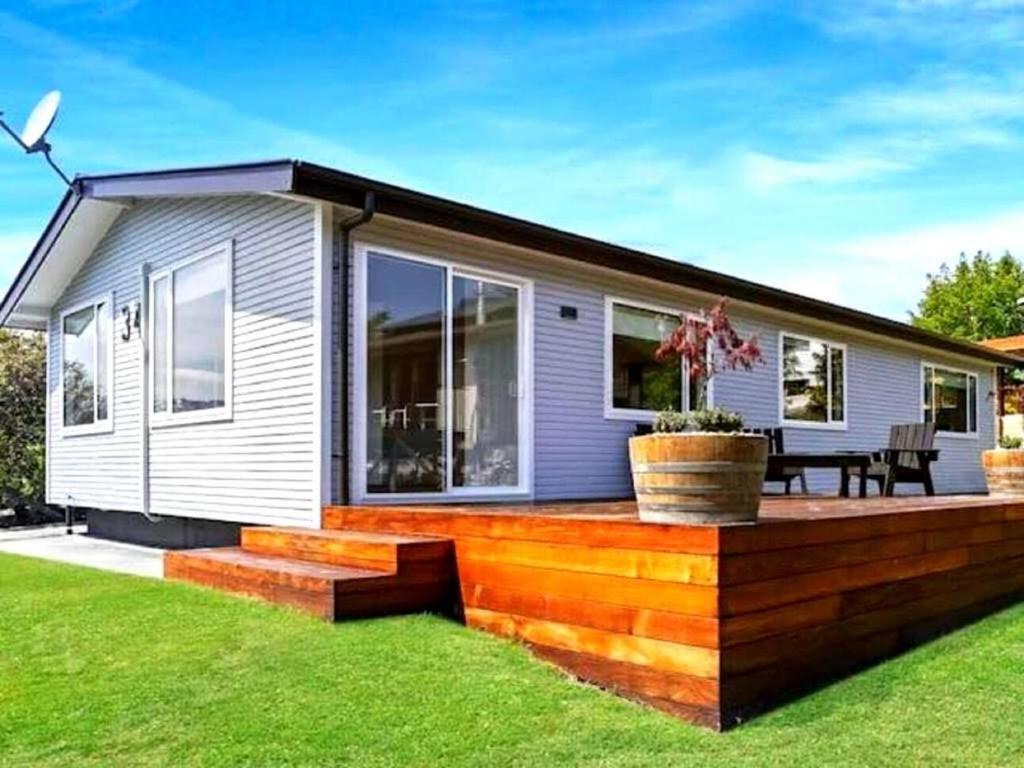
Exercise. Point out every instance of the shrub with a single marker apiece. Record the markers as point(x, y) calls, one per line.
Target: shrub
point(22, 418)
point(707, 344)
point(1010, 443)
point(716, 420)
point(671, 421)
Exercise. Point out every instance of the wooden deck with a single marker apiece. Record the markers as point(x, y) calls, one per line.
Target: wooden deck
point(718, 624)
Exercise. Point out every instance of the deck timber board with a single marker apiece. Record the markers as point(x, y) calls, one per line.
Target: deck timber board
point(718, 624)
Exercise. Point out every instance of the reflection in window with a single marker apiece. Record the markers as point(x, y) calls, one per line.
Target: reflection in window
point(485, 373)
point(950, 399)
point(160, 326)
point(190, 318)
point(813, 375)
point(199, 297)
point(86, 358)
point(405, 419)
point(639, 382)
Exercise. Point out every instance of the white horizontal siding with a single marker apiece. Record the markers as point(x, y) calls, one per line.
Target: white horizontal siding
point(581, 454)
point(258, 467)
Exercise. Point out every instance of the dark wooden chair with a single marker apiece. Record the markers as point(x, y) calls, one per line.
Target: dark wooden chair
point(907, 459)
point(785, 475)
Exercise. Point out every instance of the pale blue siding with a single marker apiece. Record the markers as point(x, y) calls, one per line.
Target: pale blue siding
point(579, 453)
point(883, 388)
point(258, 466)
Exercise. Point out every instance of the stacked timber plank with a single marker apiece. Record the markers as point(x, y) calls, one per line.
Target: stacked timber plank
point(804, 602)
point(333, 574)
point(718, 624)
point(627, 605)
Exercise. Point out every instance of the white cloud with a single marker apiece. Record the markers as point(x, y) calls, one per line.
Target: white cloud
point(954, 24)
point(117, 115)
point(765, 171)
point(925, 248)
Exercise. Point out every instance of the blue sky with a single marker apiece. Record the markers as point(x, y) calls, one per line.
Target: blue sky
point(838, 149)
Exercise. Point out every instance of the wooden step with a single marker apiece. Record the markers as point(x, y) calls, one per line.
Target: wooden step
point(300, 584)
point(330, 590)
point(387, 552)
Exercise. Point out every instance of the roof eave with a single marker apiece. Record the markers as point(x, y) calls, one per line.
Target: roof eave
point(249, 178)
point(347, 189)
point(322, 183)
point(68, 204)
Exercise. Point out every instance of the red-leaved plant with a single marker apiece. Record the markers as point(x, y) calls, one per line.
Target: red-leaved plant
point(708, 344)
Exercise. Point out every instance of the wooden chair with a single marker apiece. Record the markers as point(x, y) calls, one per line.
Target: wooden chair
point(784, 475)
point(908, 459)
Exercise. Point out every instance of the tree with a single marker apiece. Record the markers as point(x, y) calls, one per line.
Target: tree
point(708, 344)
point(975, 300)
point(22, 417)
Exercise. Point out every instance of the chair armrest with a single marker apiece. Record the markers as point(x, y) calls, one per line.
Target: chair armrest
point(923, 454)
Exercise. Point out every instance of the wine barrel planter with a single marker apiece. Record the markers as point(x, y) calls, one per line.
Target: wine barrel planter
point(1004, 472)
point(698, 478)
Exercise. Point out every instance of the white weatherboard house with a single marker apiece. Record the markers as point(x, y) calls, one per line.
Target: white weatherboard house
point(245, 344)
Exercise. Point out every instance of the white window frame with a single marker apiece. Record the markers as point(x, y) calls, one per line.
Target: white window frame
point(640, 414)
point(524, 489)
point(837, 426)
point(977, 396)
point(98, 427)
point(208, 415)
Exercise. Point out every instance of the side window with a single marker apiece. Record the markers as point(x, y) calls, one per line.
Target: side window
point(87, 363)
point(190, 339)
point(638, 381)
point(950, 399)
point(813, 386)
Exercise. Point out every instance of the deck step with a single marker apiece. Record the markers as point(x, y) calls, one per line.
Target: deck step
point(387, 552)
point(327, 590)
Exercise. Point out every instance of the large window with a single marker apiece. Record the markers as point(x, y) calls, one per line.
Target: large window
point(442, 401)
point(950, 399)
point(87, 364)
point(813, 382)
point(190, 339)
point(638, 385)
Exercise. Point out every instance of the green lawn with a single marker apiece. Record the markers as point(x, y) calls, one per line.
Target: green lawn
point(104, 670)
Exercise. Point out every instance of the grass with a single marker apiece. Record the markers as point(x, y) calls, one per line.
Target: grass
point(105, 670)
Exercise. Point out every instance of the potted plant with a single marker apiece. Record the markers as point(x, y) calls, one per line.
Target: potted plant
point(700, 467)
point(1004, 468)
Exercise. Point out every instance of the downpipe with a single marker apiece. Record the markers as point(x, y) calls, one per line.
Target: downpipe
point(342, 270)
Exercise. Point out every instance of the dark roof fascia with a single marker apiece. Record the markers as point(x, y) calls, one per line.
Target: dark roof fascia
point(68, 205)
point(347, 189)
point(320, 182)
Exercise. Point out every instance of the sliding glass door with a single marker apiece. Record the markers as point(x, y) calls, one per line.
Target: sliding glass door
point(444, 410)
point(405, 363)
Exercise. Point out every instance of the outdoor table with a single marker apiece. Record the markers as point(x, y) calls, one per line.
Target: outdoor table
point(842, 460)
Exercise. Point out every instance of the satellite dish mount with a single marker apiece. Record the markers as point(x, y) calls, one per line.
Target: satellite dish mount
point(33, 137)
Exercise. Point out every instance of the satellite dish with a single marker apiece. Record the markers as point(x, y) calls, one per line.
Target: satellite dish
point(39, 121)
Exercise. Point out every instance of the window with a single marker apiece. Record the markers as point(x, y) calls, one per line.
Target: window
point(813, 381)
point(443, 369)
point(87, 365)
point(190, 339)
point(950, 399)
point(637, 384)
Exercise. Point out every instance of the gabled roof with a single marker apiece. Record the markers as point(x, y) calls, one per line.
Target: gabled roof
point(105, 193)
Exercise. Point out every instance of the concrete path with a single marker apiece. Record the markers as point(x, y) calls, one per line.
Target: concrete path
point(53, 543)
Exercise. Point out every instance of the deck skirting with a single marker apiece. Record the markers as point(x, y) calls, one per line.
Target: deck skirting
point(719, 624)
